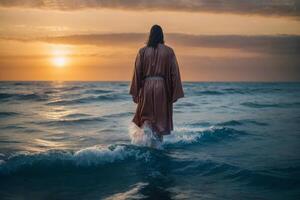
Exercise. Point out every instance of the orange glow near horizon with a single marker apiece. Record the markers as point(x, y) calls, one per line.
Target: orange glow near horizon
point(45, 44)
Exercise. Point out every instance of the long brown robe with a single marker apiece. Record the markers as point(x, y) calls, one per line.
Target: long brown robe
point(155, 97)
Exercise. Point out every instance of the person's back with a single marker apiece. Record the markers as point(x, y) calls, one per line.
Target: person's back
point(155, 60)
point(156, 84)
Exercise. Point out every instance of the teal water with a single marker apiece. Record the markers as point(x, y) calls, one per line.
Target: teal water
point(69, 140)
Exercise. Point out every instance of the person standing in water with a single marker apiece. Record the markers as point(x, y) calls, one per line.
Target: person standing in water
point(155, 85)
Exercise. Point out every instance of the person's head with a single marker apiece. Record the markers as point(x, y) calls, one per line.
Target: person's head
point(156, 36)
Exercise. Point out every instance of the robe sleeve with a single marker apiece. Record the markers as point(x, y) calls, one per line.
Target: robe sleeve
point(136, 82)
point(176, 85)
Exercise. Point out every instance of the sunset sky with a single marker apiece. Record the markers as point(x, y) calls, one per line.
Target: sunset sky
point(214, 40)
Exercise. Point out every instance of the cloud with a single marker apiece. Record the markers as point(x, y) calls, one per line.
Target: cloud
point(278, 68)
point(272, 44)
point(110, 39)
point(268, 44)
point(47, 56)
point(260, 7)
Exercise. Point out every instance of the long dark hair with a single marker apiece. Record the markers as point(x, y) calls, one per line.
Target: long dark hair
point(156, 36)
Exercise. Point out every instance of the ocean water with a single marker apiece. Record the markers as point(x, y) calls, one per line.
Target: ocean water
point(69, 140)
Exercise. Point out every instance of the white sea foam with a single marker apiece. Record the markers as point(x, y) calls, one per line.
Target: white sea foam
point(192, 129)
point(185, 135)
point(144, 136)
point(98, 155)
point(189, 135)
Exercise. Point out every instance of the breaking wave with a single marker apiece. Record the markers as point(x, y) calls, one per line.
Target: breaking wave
point(87, 157)
point(190, 135)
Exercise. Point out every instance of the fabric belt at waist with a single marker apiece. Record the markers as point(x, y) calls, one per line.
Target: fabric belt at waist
point(154, 78)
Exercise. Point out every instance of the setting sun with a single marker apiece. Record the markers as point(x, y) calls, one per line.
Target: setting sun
point(59, 61)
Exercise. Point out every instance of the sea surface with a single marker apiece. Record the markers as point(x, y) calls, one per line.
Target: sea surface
point(69, 140)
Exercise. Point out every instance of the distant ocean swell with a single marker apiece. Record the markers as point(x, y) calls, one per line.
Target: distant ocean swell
point(90, 99)
point(7, 114)
point(75, 95)
point(68, 122)
point(30, 96)
point(45, 97)
point(232, 90)
point(78, 119)
point(271, 105)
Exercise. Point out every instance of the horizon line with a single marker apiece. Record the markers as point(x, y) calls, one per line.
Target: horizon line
point(187, 81)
